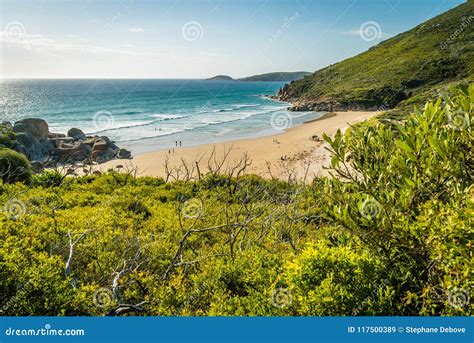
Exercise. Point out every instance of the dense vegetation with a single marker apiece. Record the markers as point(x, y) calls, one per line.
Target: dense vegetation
point(277, 76)
point(407, 69)
point(389, 234)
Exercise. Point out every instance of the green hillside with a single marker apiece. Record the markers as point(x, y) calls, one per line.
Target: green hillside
point(278, 76)
point(406, 69)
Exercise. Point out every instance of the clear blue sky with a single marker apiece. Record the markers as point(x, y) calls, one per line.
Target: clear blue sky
point(194, 38)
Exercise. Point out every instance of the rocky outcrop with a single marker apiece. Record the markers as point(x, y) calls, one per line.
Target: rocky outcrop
point(324, 106)
point(317, 105)
point(37, 128)
point(33, 139)
point(283, 92)
point(77, 134)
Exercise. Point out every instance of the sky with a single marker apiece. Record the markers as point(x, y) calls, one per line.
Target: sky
point(195, 38)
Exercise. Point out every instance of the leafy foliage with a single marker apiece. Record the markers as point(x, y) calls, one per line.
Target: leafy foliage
point(14, 166)
point(7, 136)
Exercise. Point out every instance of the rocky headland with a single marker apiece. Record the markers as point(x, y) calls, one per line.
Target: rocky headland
point(43, 148)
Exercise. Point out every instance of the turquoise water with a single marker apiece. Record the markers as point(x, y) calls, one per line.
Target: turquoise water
point(147, 115)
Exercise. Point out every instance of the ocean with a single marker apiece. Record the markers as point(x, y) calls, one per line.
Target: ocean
point(149, 115)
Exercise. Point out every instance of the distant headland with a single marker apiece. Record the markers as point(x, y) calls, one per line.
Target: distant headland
point(220, 78)
point(268, 77)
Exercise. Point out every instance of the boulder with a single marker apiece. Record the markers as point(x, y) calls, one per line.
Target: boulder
point(59, 141)
point(101, 145)
point(107, 139)
point(41, 146)
point(90, 140)
point(31, 147)
point(55, 135)
point(38, 128)
point(103, 156)
point(26, 139)
point(77, 134)
point(77, 152)
point(47, 145)
point(19, 127)
point(66, 145)
point(124, 154)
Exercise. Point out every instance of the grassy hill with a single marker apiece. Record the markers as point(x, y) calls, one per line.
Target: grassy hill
point(399, 72)
point(278, 76)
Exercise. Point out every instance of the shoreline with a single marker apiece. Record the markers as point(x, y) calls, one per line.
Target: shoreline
point(295, 153)
point(324, 116)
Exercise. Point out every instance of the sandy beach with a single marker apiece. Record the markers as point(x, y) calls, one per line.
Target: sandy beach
point(290, 154)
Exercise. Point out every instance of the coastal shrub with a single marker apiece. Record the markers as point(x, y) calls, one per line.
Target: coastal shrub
point(386, 177)
point(137, 207)
point(329, 280)
point(48, 178)
point(7, 136)
point(14, 167)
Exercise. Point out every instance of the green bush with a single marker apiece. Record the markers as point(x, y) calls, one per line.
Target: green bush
point(386, 177)
point(14, 167)
point(7, 137)
point(48, 178)
point(338, 280)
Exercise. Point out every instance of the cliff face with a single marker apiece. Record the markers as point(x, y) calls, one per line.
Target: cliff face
point(403, 70)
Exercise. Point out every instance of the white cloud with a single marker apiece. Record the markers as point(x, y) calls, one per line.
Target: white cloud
point(359, 32)
point(136, 29)
point(41, 43)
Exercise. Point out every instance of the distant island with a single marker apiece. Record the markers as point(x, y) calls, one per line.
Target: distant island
point(220, 78)
point(268, 77)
